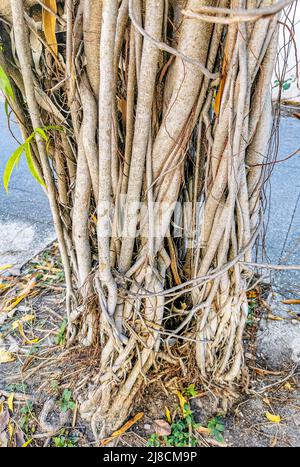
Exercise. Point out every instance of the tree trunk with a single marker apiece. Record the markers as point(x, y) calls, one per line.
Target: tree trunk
point(156, 119)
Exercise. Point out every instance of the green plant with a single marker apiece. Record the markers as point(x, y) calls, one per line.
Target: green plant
point(17, 387)
point(63, 440)
point(154, 441)
point(182, 428)
point(61, 335)
point(5, 85)
point(182, 434)
point(285, 84)
point(25, 421)
point(190, 391)
point(25, 148)
point(66, 401)
point(216, 427)
point(252, 305)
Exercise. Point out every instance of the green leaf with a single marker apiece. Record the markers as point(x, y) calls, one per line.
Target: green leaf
point(53, 127)
point(67, 395)
point(12, 161)
point(42, 133)
point(31, 165)
point(218, 437)
point(286, 86)
point(5, 85)
point(220, 427)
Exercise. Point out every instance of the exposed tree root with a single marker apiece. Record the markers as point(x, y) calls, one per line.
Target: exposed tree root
point(163, 132)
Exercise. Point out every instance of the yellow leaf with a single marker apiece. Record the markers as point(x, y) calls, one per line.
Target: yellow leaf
point(6, 357)
point(288, 386)
point(25, 292)
point(10, 402)
point(168, 415)
point(7, 266)
point(124, 428)
point(13, 304)
point(27, 318)
point(273, 418)
point(182, 400)
point(49, 25)
point(274, 318)
point(218, 100)
point(18, 325)
point(10, 430)
point(26, 443)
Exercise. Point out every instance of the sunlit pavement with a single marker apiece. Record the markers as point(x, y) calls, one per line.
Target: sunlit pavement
point(25, 220)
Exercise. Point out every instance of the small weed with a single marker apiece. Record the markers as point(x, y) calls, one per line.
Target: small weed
point(63, 440)
point(190, 391)
point(184, 426)
point(66, 402)
point(181, 434)
point(26, 418)
point(154, 441)
point(216, 427)
point(60, 338)
point(17, 387)
point(252, 305)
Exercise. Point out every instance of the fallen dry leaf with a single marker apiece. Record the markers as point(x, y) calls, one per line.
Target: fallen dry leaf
point(24, 293)
point(203, 430)
point(182, 400)
point(10, 430)
point(288, 386)
point(6, 266)
point(168, 415)
point(6, 357)
point(162, 428)
point(10, 402)
point(24, 445)
point(49, 25)
point(274, 318)
point(18, 325)
point(273, 418)
point(124, 428)
point(294, 301)
point(4, 418)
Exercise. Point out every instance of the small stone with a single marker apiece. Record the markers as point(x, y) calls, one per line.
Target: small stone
point(295, 321)
point(249, 356)
point(296, 419)
point(23, 308)
point(147, 426)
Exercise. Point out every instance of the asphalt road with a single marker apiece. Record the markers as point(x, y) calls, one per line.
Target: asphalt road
point(25, 219)
point(283, 232)
point(26, 226)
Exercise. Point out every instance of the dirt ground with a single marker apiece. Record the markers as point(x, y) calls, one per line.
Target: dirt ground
point(40, 379)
